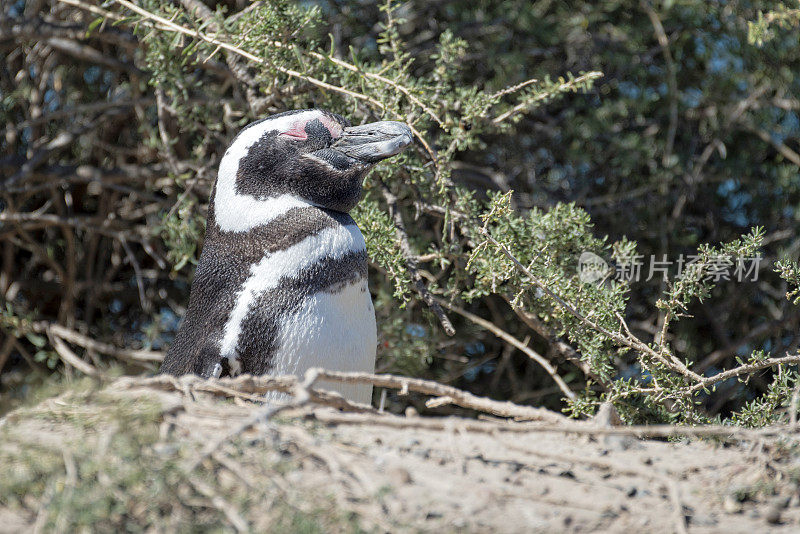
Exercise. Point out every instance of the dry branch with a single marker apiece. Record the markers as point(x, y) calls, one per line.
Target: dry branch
point(259, 385)
point(72, 359)
point(459, 397)
point(508, 338)
point(132, 355)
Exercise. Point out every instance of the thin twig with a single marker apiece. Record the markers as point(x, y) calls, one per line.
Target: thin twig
point(663, 42)
point(526, 104)
point(744, 370)
point(508, 338)
point(411, 262)
point(137, 272)
point(70, 358)
point(556, 344)
point(62, 332)
point(161, 113)
point(781, 147)
point(514, 88)
point(59, 142)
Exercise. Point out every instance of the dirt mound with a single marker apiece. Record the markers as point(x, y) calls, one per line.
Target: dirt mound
point(142, 455)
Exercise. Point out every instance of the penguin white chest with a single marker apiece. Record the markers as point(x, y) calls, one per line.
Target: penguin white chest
point(334, 330)
point(332, 326)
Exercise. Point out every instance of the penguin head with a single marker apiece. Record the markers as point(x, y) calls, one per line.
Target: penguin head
point(312, 155)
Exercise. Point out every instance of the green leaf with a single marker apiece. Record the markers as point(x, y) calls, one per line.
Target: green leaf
point(36, 340)
point(94, 24)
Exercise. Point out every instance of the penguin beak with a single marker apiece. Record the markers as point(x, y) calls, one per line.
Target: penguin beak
point(370, 143)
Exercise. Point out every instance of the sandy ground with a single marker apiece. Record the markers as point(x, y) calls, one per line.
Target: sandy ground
point(387, 473)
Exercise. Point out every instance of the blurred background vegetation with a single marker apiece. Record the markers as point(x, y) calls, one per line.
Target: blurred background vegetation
point(114, 117)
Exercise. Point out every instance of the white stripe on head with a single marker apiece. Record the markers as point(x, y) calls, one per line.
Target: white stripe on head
point(240, 213)
point(267, 273)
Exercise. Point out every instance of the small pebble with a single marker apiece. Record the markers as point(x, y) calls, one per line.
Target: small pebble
point(732, 505)
point(703, 520)
point(399, 476)
point(773, 515)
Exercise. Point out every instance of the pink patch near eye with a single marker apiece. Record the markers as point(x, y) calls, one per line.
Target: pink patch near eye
point(298, 131)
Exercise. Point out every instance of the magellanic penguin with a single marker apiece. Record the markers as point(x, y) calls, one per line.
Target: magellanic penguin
point(281, 284)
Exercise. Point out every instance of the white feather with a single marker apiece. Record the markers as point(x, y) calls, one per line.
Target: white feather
point(266, 274)
point(334, 331)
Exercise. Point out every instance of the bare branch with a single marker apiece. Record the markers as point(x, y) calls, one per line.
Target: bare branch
point(508, 338)
point(411, 262)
